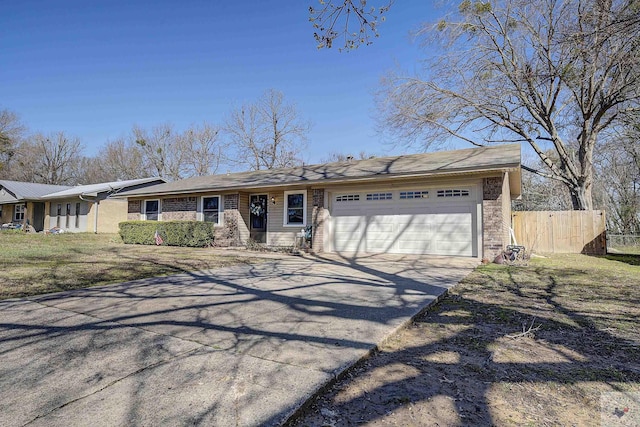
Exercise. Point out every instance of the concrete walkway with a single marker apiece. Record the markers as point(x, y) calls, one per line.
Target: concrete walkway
point(243, 346)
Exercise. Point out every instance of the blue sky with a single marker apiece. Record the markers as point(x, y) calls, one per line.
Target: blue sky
point(95, 68)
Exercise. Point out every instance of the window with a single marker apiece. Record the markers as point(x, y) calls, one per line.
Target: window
point(348, 198)
point(414, 195)
point(453, 193)
point(77, 215)
point(295, 208)
point(67, 222)
point(211, 209)
point(152, 210)
point(379, 196)
point(18, 213)
point(58, 214)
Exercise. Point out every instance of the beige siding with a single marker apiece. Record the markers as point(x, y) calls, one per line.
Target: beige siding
point(111, 212)
point(7, 214)
point(277, 233)
point(243, 221)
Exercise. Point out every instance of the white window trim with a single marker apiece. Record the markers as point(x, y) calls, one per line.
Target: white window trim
point(200, 213)
point(286, 208)
point(144, 209)
point(22, 211)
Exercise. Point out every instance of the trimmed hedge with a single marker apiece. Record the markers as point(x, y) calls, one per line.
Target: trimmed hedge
point(174, 233)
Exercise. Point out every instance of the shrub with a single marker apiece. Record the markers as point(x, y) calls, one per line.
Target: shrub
point(174, 233)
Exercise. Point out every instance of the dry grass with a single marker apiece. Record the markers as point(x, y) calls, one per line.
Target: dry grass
point(32, 264)
point(460, 365)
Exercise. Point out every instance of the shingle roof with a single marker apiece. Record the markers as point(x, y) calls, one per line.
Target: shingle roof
point(501, 157)
point(17, 191)
point(92, 190)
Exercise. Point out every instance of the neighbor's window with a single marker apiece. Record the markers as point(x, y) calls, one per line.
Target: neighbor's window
point(18, 213)
point(295, 209)
point(77, 215)
point(151, 210)
point(68, 215)
point(211, 209)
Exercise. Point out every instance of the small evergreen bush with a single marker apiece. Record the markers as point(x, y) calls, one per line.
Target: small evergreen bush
point(195, 234)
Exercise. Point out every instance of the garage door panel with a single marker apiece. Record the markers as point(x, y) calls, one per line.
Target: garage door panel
point(417, 226)
point(448, 247)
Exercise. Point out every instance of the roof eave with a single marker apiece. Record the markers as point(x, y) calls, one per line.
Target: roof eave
point(503, 168)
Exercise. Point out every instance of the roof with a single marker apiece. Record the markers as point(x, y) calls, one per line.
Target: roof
point(92, 190)
point(17, 191)
point(483, 159)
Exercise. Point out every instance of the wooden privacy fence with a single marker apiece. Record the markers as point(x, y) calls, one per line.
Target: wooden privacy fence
point(561, 231)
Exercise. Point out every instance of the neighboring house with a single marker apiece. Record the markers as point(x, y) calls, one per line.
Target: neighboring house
point(22, 201)
point(444, 203)
point(76, 209)
point(91, 207)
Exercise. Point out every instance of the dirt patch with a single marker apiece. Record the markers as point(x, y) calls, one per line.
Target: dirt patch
point(537, 345)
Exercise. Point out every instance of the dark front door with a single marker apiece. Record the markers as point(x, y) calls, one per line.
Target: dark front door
point(38, 216)
point(258, 219)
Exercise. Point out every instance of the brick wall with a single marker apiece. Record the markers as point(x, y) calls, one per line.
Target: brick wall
point(493, 226)
point(228, 234)
point(133, 210)
point(179, 209)
point(318, 221)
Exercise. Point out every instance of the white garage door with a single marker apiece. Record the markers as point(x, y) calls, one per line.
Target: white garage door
point(434, 221)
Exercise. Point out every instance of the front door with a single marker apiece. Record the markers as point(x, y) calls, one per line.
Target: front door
point(38, 216)
point(258, 219)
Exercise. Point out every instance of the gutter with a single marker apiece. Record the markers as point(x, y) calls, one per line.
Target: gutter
point(329, 181)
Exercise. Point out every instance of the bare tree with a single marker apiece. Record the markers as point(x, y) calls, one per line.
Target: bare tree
point(355, 21)
point(554, 75)
point(118, 160)
point(618, 181)
point(267, 134)
point(48, 159)
point(161, 149)
point(341, 157)
point(204, 149)
point(11, 133)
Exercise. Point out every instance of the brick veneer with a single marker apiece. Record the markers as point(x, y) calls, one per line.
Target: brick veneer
point(228, 234)
point(133, 210)
point(492, 218)
point(317, 218)
point(179, 209)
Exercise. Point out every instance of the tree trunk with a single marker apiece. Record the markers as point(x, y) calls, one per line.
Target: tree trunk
point(581, 197)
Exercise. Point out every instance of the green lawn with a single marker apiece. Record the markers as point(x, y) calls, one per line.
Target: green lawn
point(536, 345)
point(32, 264)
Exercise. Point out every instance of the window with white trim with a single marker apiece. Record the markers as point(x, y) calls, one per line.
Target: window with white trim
point(18, 212)
point(348, 198)
point(380, 196)
point(453, 193)
point(211, 209)
point(295, 208)
point(414, 195)
point(152, 210)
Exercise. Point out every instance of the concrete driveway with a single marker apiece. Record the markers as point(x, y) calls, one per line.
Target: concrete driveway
point(244, 345)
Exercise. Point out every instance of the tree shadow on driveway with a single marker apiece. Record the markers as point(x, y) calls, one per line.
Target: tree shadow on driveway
point(242, 345)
